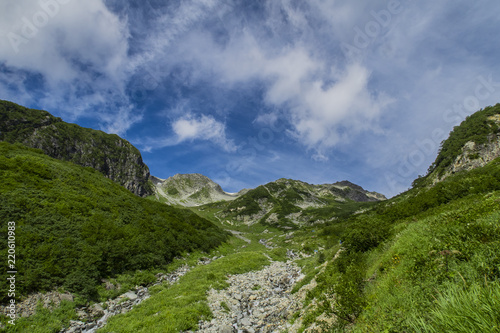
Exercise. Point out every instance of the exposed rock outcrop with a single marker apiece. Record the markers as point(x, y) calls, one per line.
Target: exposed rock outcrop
point(473, 155)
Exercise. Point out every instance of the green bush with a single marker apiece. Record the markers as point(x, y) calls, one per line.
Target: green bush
point(75, 227)
point(365, 233)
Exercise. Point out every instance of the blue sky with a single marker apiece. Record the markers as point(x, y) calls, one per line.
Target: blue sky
point(246, 92)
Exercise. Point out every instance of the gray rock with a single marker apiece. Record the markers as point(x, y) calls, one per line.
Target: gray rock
point(246, 321)
point(261, 310)
point(130, 295)
point(226, 329)
point(66, 297)
point(109, 286)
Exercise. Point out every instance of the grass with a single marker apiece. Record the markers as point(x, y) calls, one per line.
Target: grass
point(44, 321)
point(425, 261)
point(462, 309)
point(181, 306)
point(423, 273)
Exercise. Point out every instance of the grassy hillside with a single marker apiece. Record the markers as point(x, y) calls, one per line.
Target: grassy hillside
point(75, 227)
point(426, 261)
point(113, 156)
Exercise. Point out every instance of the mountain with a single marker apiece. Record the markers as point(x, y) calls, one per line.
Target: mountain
point(291, 203)
point(472, 144)
point(190, 190)
point(111, 155)
point(74, 227)
point(283, 202)
point(427, 260)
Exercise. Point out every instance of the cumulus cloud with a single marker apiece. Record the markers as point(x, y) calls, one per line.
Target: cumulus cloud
point(324, 105)
point(81, 49)
point(326, 116)
point(281, 60)
point(78, 49)
point(51, 37)
point(192, 128)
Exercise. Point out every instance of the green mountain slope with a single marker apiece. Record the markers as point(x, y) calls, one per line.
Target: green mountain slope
point(291, 203)
point(75, 227)
point(113, 156)
point(432, 259)
point(475, 142)
point(427, 260)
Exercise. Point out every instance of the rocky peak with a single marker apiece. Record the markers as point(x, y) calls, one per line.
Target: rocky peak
point(346, 183)
point(288, 202)
point(190, 190)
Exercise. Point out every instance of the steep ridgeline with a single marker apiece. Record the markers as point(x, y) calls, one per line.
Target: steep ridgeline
point(290, 203)
point(473, 144)
point(190, 190)
point(111, 155)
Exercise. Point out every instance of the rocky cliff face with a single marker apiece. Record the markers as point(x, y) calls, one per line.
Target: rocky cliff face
point(190, 190)
point(475, 156)
point(472, 154)
point(111, 155)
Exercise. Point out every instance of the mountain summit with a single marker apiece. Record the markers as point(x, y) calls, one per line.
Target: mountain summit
point(190, 190)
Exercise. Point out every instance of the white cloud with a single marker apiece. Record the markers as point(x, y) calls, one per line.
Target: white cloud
point(121, 120)
point(83, 46)
point(190, 128)
point(78, 48)
point(326, 116)
point(319, 102)
point(50, 37)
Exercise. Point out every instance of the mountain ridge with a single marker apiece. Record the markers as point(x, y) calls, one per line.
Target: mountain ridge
point(289, 203)
point(190, 190)
point(114, 157)
point(196, 189)
point(429, 253)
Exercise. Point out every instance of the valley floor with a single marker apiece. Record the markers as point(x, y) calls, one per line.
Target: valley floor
point(257, 284)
